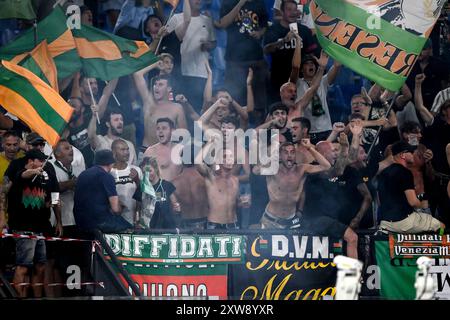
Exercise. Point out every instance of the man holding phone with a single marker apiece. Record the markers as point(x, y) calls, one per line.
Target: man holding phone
point(280, 42)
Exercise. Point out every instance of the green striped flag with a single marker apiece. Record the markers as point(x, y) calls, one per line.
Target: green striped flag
point(20, 9)
point(41, 63)
point(107, 56)
point(26, 96)
point(379, 39)
point(61, 44)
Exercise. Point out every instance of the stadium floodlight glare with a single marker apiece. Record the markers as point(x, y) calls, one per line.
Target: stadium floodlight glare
point(348, 283)
point(425, 283)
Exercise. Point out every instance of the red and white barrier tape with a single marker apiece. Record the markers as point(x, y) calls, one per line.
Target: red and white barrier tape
point(25, 236)
point(56, 284)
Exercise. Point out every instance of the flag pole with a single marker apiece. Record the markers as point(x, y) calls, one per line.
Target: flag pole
point(160, 40)
point(93, 100)
point(381, 127)
point(35, 32)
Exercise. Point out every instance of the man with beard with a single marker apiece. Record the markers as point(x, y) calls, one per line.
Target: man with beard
point(157, 105)
point(114, 123)
point(399, 205)
point(76, 132)
point(300, 130)
point(165, 149)
point(286, 186)
point(277, 119)
point(222, 187)
point(316, 109)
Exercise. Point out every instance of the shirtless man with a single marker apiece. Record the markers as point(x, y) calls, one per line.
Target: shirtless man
point(162, 150)
point(285, 187)
point(222, 189)
point(157, 105)
point(190, 192)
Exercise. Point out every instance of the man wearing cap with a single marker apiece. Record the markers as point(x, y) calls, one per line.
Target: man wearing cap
point(400, 208)
point(96, 203)
point(317, 109)
point(29, 214)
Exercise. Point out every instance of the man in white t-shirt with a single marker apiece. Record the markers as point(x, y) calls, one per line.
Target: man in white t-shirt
point(66, 173)
point(317, 110)
point(198, 40)
point(114, 123)
point(127, 179)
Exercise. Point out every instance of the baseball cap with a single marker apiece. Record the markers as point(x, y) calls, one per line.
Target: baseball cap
point(402, 146)
point(104, 158)
point(34, 138)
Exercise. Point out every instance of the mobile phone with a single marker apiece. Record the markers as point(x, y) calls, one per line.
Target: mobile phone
point(293, 27)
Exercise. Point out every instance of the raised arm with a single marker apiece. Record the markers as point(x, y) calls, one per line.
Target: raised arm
point(92, 129)
point(180, 30)
point(76, 91)
point(404, 97)
point(141, 84)
point(207, 91)
point(106, 95)
point(278, 44)
point(309, 94)
point(356, 130)
point(250, 95)
point(188, 109)
point(426, 115)
point(342, 159)
point(228, 19)
point(323, 163)
point(296, 59)
point(333, 72)
point(200, 165)
point(206, 117)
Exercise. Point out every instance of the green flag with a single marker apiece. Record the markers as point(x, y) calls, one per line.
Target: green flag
point(107, 56)
point(397, 276)
point(61, 44)
point(379, 39)
point(20, 9)
point(33, 101)
point(40, 62)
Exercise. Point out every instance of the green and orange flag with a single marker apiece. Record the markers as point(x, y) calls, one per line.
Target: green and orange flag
point(106, 56)
point(61, 44)
point(29, 98)
point(41, 63)
point(379, 39)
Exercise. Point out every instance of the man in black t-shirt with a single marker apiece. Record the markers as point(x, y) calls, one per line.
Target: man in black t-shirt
point(399, 205)
point(245, 22)
point(280, 43)
point(29, 214)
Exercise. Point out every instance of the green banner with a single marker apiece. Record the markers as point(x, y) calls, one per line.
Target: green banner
point(167, 249)
point(376, 47)
point(397, 276)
